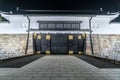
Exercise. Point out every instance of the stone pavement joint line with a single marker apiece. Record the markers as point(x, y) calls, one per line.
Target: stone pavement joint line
point(59, 67)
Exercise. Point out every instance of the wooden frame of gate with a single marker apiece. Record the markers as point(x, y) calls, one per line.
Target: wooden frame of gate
point(70, 52)
point(71, 41)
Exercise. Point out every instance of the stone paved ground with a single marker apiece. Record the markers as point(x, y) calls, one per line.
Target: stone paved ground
point(59, 67)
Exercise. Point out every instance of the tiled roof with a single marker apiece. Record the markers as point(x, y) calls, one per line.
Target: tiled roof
point(60, 12)
point(107, 5)
point(3, 19)
point(116, 20)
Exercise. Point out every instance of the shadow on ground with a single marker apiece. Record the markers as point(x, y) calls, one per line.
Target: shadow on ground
point(22, 61)
point(100, 63)
point(19, 62)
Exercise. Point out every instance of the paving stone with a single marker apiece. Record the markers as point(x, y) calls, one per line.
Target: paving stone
point(112, 78)
point(69, 75)
point(41, 78)
point(59, 68)
point(95, 78)
point(77, 78)
point(23, 78)
point(83, 75)
point(49, 75)
point(6, 78)
point(59, 78)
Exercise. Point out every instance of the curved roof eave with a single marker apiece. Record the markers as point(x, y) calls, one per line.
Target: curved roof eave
point(82, 13)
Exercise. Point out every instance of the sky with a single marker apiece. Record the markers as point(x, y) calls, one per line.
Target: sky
point(107, 5)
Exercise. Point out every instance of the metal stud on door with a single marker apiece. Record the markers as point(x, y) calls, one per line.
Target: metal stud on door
point(48, 39)
point(70, 44)
point(80, 44)
point(38, 44)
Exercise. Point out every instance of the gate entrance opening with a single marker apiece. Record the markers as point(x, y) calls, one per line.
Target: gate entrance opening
point(59, 43)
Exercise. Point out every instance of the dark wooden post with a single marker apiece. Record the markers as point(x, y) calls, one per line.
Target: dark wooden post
point(91, 43)
point(27, 35)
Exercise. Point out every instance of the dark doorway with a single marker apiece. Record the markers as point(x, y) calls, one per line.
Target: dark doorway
point(59, 43)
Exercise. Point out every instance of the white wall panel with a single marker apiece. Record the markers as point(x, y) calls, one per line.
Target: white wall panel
point(18, 24)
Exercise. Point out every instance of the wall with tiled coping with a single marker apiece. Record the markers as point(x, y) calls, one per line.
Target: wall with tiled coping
point(13, 45)
point(105, 45)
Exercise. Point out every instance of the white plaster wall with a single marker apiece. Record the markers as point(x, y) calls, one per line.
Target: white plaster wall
point(18, 23)
point(114, 28)
point(106, 28)
point(12, 28)
point(84, 20)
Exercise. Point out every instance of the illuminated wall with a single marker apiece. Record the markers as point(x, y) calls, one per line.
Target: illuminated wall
point(106, 36)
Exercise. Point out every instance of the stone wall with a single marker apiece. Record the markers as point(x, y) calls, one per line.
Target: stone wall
point(30, 45)
point(88, 47)
point(13, 45)
point(105, 46)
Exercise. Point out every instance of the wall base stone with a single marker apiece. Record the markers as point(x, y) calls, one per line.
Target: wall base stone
point(105, 46)
point(13, 45)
